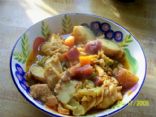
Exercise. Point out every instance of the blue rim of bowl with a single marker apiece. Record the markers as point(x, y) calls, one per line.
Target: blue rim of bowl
point(92, 15)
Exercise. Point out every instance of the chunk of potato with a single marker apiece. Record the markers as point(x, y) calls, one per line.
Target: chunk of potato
point(38, 73)
point(111, 49)
point(125, 78)
point(82, 34)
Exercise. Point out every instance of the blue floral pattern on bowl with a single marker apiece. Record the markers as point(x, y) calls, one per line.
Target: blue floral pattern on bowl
point(104, 28)
point(20, 74)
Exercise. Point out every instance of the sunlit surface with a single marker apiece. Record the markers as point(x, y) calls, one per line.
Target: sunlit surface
point(38, 10)
point(18, 15)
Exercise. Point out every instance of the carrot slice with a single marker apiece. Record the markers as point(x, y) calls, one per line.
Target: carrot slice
point(84, 60)
point(70, 41)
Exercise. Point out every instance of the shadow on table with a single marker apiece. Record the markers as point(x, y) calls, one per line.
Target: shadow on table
point(139, 14)
point(133, 14)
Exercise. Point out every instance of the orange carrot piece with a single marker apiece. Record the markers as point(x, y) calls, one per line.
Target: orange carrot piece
point(84, 60)
point(70, 41)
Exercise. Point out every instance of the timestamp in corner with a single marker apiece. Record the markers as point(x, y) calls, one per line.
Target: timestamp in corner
point(140, 103)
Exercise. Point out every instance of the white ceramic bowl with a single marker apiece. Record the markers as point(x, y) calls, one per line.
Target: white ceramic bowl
point(63, 24)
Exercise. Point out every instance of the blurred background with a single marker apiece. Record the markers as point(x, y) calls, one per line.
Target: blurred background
point(138, 16)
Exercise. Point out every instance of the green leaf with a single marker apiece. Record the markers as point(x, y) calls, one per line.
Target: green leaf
point(22, 56)
point(126, 41)
point(25, 46)
point(132, 61)
point(45, 30)
point(19, 57)
point(66, 24)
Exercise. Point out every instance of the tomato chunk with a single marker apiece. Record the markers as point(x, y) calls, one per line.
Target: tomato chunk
point(37, 43)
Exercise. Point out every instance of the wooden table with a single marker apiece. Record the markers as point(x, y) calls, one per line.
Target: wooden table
point(17, 15)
